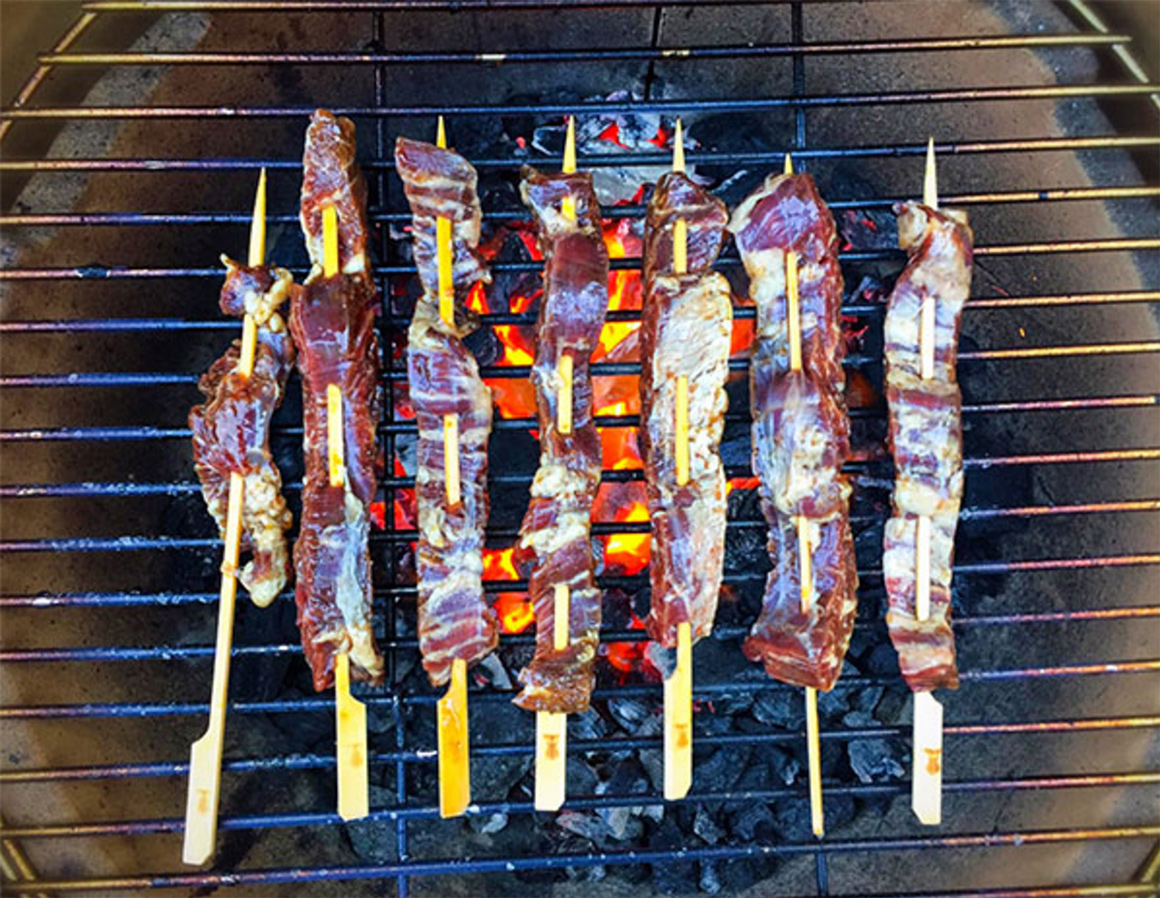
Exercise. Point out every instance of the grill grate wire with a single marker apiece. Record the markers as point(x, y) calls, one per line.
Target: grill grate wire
point(64, 58)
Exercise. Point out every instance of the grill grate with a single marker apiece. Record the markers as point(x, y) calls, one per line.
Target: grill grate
point(1030, 696)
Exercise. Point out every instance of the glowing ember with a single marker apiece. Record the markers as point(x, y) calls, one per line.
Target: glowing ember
point(515, 612)
point(627, 657)
point(628, 552)
point(741, 483)
point(612, 135)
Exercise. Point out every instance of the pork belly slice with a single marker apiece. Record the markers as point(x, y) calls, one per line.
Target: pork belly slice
point(455, 620)
point(685, 332)
point(800, 432)
point(926, 436)
point(333, 323)
point(231, 429)
point(555, 535)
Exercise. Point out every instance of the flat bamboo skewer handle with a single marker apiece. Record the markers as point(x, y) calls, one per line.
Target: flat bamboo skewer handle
point(926, 777)
point(678, 688)
point(350, 714)
point(205, 759)
point(451, 716)
point(552, 727)
point(813, 744)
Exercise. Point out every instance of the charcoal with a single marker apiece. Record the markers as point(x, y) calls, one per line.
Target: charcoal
point(581, 778)
point(653, 759)
point(784, 765)
point(488, 824)
point(866, 699)
point(723, 769)
point(833, 704)
point(629, 713)
point(882, 661)
point(752, 822)
point(628, 778)
point(705, 826)
point(589, 725)
point(780, 708)
point(587, 873)
point(710, 881)
point(894, 706)
point(495, 673)
point(739, 874)
point(873, 760)
point(674, 877)
point(664, 660)
point(621, 823)
point(374, 840)
point(492, 777)
point(584, 824)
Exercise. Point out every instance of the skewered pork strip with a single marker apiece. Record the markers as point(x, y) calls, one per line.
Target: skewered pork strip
point(333, 323)
point(686, 329)
point(231, 429)
point(555, 531)
point(800, 432)
point(926, 435)
point(455, 620)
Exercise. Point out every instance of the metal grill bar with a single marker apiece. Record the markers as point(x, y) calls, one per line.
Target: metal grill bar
point(509, 57)
point(161, 219)
point(669, 107)
point(1047, 144)
point(158, 826)
point(706, 690)
point(452, 866)
point(190, 652)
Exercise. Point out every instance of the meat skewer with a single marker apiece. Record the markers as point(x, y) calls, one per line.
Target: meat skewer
point(229, 431)
point(556, 527)
point(334, 329)
point(788, 243)
point(457, 628)
point(926, 438)
point(685, 338)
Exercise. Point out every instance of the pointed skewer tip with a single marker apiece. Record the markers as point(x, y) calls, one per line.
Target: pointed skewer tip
point(788, 170)
point(679, 148)
point(441, 134)
point(930, 178)
point(257, 253)
point(570, 147)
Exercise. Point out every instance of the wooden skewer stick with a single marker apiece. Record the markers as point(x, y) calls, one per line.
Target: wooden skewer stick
point(926, 778)
point(350, 713)
point(451, 719)
point(678, 688)
point(813, 746)
point(205, 761)
point(552, 727)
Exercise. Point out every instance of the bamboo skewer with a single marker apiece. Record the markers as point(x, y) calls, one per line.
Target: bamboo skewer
point(678, 688)
point(813, 745)
point(552, 727)
point(205, 760)
point(451, 718)
point(926, 777)
point(350, 713)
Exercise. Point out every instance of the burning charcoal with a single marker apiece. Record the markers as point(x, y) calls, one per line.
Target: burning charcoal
point(752, 822)
point(780, 708)
point(672, 877)
point(488, 824)
point(494, 673)
point(664, 660)
point(705, 826)
point(629, 713)
point(710, 881)
point(374, 840)
point(862, 229)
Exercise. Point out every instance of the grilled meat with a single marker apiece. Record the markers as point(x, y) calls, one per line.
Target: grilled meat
point(926, 436)
point(455, 620)
point(800, 432)
point(686, 329)
point(333, 322)
point(555, 531)
point(231, 430)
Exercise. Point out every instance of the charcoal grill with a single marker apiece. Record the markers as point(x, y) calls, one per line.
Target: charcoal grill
point(158, 115)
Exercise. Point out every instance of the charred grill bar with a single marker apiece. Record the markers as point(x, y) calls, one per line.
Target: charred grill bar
point(402, 757)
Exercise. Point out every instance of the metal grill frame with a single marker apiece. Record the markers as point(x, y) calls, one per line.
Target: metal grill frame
point(63, 57)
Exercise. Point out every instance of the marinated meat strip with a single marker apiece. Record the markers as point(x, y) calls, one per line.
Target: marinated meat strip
point(926, 435)
point(801, 432)
point(686, 329)
point(333, 322)
point(555, 531)
point(455, 620)
point(231, 430)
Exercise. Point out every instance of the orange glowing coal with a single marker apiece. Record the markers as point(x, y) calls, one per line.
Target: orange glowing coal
point(515, 612)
